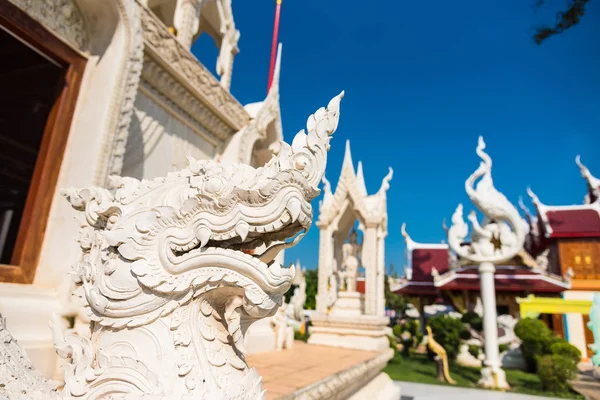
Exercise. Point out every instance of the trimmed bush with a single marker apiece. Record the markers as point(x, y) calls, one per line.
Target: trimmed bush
point(554, 370)
point(536, 339)
point(564, 348)
point(502, 348)
point(393, 343)
point(409, 334)
point(474, 320)
point(397, 330)
point(447, 331)
point(474, 350)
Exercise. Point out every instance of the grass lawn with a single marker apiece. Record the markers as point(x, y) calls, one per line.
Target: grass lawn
point(418, 368)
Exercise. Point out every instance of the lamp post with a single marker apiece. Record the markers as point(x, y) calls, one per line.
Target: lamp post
point(497, 240)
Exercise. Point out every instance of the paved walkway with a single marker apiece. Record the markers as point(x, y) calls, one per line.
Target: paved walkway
point(284, 372)
point(419, 391)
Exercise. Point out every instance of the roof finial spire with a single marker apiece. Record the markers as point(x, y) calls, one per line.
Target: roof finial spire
point(347, 164)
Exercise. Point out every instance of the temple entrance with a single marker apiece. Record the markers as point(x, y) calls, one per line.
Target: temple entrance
point(40, 77)
point(31, 84)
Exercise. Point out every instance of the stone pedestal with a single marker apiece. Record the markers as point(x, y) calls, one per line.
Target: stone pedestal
point(363, 332)
point(348, 304)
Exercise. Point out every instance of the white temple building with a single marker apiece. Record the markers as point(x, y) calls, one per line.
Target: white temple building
point(100, 89)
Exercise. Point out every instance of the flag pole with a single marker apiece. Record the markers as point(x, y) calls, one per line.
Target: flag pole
point(274, 44)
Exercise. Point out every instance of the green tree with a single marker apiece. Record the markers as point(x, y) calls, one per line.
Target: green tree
point(394, 301)
point(448, 332)
point(564, 20)
point(311, 277)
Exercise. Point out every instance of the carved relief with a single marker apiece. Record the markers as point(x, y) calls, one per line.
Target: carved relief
point(179, 58)
point(157, 77)
point(502, 233)
point(165, 279)
point(61, 17)
point(18, 377)
point(124, 96)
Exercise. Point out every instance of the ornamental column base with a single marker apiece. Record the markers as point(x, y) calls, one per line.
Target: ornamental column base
point(493, 378)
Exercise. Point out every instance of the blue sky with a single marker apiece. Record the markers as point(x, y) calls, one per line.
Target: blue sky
point(423, 80)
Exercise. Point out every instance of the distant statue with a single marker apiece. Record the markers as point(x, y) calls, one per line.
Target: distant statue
point(295, 309)
point(284, 334)
point(594, 326)
point(441, 358)
point(350, 263)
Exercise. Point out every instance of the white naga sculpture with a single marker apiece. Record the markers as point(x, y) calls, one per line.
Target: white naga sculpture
point(497, 240)
point(165, 279)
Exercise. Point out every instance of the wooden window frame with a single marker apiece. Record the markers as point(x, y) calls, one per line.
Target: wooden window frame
point(33, 223)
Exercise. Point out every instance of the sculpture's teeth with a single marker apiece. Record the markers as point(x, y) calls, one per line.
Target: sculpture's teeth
point(292, 270)
point(242, 229)
point(203, 234)
point(294, 209)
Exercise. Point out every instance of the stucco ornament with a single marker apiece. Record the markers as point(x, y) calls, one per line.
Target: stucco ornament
point(498, 239)
point(502, 233)
point(166, 280)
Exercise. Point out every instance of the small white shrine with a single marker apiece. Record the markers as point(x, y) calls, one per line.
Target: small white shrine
point(345, 317)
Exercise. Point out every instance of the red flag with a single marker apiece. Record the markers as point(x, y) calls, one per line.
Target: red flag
point(274, 44)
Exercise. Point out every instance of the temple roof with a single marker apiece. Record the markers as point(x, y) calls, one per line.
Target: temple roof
point(565, 221)
point(430, 268)
point(351, 186)
point(507, 279)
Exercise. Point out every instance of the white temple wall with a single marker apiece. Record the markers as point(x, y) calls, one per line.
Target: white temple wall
point(162, 136)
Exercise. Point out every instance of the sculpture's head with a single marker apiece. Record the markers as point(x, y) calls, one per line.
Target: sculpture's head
point(155, 245)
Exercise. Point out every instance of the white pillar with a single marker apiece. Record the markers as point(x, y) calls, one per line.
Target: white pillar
point(325, 260)
point(187, 20)
point(381, 274)
point(369, 262)
point(492, 375)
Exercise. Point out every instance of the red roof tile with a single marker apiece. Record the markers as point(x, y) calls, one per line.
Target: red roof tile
point(424, 260)
point(574, 223)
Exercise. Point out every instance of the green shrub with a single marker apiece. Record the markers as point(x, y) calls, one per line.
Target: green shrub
point(502, 348)
point(409, 334)
point(554, 370)
point(393, 343)
point(473, 319)
point(474, 350)
point(564, 348)
point(466, 335)
point(304, 338)
point(447, 331)
point(536, 339)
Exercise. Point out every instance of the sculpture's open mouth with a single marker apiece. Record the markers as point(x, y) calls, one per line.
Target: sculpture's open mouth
point(251, 246)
